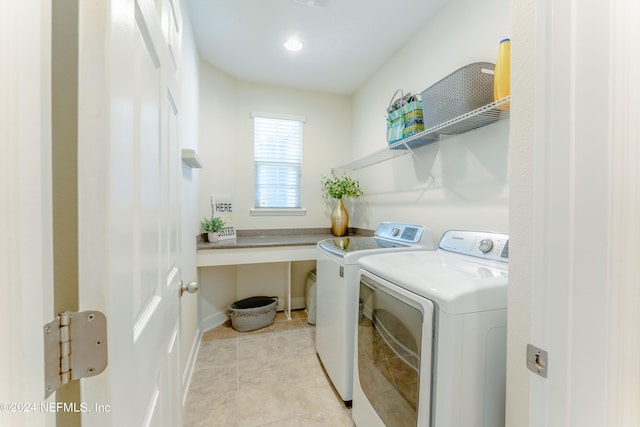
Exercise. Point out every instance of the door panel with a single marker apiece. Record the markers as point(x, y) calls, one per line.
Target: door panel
point(147, 142)
point(174, 171)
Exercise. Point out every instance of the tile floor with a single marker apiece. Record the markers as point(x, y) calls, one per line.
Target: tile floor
point(268, 377)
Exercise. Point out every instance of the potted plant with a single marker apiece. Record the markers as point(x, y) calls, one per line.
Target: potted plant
point(339, 187)
point(212, 227)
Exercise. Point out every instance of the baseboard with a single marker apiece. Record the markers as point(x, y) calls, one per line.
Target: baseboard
point(298, 303)
point(191, 364)
point(213, 321)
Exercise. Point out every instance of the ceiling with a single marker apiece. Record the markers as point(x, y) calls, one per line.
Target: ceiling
point(345, 41)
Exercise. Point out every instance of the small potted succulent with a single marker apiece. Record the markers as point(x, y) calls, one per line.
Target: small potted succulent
point(212, 227)
point(338, 188)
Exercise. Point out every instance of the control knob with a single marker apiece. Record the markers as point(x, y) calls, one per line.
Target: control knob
point(485, 245)
point(395, 231)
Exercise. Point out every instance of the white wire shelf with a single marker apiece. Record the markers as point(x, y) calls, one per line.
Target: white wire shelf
point(475, 119)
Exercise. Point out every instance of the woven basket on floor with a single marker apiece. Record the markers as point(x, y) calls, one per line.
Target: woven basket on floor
point(253, 313)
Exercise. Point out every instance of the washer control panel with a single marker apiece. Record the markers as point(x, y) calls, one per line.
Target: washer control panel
point(488, 245)
point(400, 232)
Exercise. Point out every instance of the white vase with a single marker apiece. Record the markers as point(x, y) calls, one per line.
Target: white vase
point(213, 237)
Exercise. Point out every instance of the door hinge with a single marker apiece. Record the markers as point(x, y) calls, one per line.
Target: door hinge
point(75, 346)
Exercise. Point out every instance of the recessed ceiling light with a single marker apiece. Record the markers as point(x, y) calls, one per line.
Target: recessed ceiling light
point(293, 45)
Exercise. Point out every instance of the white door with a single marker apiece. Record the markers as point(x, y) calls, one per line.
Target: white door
point(129, 225)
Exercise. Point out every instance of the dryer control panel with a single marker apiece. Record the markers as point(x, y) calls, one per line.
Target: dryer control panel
point(482, 244)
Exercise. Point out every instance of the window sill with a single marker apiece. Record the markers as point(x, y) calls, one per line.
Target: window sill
point(278, 211)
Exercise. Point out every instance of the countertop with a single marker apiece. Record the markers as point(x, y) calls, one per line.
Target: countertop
point(266, 246)
point(276, 237)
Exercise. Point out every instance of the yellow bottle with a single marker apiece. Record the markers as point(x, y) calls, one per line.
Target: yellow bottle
point(502, 74)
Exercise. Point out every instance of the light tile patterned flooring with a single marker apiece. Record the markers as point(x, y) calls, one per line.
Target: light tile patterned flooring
point(268, 377)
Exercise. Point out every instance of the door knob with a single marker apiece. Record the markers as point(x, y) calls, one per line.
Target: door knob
point(191, 287)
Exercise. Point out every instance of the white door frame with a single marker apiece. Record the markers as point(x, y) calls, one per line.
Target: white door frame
point(26, 258)
point(574, 213)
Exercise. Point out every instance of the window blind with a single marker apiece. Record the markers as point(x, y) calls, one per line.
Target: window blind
point(278, 162)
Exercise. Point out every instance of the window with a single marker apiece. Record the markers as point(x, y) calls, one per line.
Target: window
point(278, 161)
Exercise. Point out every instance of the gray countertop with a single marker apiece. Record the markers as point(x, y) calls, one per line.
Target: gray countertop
point(276, 237)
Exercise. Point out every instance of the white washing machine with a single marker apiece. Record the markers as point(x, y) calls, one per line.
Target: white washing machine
point(432, 333)
point(337, 292)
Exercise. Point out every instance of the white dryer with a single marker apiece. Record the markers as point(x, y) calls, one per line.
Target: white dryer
point(337, 292)
point(431, 336)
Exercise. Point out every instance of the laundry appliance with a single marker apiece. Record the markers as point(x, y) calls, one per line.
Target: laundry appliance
point(431, 336)
point(337, 292)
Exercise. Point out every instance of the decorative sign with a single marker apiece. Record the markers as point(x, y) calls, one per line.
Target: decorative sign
point(222, 207)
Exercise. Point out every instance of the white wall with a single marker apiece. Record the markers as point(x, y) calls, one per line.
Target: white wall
point(226, 150)
point(226, 144)
point(469, 170)
point(461, 181)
